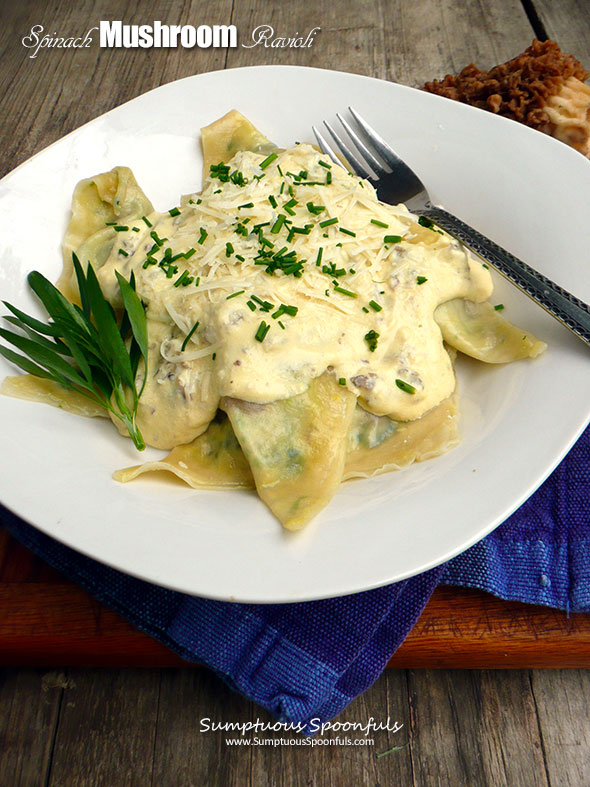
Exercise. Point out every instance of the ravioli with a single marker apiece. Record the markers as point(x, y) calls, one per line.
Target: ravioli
point(225, 137)
point(106, 198)
point(212, 461)
point(295, 447)
point(479, 330)
point(38, 389)
point(379, 445)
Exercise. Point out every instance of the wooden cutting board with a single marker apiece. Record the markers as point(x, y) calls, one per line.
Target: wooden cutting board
point(48, 621)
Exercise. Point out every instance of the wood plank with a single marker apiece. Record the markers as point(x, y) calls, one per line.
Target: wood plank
point(329, 761)
point(29, 706)
point(106, 730)
point(183, 754)
point(427, 40)
point(385, 43)
point(48, 95)
point(51, 624)
point(481, 631)
point(350, 40)
point(568, 23)
point(563, 707)
point(474, 728)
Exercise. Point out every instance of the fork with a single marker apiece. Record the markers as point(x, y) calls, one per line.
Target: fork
point(370, 157)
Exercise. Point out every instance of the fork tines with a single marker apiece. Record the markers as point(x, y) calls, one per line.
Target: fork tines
point(369, 162)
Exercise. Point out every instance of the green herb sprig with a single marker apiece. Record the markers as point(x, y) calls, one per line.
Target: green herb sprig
point(85, 349)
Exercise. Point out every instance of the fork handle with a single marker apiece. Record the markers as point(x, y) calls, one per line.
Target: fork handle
point(565, 307)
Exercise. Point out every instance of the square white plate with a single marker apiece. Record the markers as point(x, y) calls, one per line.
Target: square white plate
point(526, 191)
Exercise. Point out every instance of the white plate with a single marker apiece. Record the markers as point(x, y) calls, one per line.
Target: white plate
point(521, 188)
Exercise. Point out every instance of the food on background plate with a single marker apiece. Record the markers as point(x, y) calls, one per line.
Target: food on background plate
point(297, 332)
point(543, 87)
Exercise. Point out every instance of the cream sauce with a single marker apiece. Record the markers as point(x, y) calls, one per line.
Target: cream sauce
point(396, 286)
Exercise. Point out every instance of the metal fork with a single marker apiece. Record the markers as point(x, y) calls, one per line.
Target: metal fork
point(372, 158)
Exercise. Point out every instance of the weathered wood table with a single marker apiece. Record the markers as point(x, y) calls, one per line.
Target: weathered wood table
point(67, 719)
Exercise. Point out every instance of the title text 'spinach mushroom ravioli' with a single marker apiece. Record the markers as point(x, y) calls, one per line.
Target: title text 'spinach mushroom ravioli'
point(295, 322)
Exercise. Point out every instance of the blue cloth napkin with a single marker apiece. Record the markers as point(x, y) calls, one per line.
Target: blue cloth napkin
point(305, 662)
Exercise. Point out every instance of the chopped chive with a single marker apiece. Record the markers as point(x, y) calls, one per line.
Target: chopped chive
point(121, 228)
point(347, 232)
point(281, 324)
point(135, 229)
point(276, 227)
point(498, 307)
point(328, 222)
point(197, 281)
point(379, 223)
point(174, 212)
point(375, 306)
point(342, 381)
point(272, 200)
point(239, 257)
point(365, 309)
point(405, 386)
point(188, 336)
point(315, 209)
point(324, 164)
point(268, 160)
point(392, 239)
point(158, 241)
point(285, 309)
point(214, 356)
point(371, 338)
point(229, 249)
point(246, 205)
point(123, 252)
point(319, 257)
point(235, 294)
point(251, 306)
point(147, 221)
point(280, 171)
point(329, 178)
point(184, 279)
point(421, 279)
point(263, 329)
point(189, 253)
point(203, 236)
point(483, 265)
point(424, 222)
point(346, 292)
